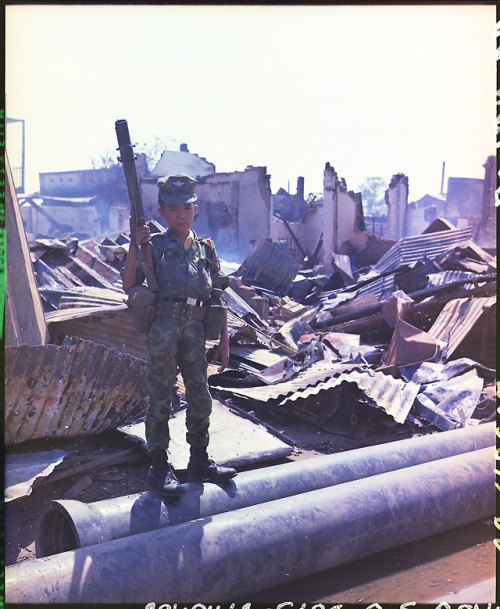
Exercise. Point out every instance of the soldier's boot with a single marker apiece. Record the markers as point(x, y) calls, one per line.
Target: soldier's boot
point(161, 475)
point(202, 469)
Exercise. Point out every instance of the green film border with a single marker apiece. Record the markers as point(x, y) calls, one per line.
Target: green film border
point(3, 236)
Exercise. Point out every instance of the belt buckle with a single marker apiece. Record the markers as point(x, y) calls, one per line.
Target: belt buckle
point(191, 301)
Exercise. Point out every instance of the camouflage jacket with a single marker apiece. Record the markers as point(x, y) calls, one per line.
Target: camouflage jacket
point(185, 272)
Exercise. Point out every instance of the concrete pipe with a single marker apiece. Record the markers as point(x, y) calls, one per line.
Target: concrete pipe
point(69, 525)
point(229, 556)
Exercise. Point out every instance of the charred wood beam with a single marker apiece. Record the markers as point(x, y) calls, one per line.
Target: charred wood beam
point(44, 213)
point(292, 234)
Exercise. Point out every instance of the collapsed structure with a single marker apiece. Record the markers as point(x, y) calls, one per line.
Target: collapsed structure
point(327, 324)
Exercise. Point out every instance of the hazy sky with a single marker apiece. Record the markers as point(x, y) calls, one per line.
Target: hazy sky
point(372, 90)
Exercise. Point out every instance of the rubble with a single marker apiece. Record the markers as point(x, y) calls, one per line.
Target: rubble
point(444, 279)
point(400, 347)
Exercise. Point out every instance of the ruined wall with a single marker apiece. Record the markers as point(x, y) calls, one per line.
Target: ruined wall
point(418, 218)
point(344, 230)
point(182, 161)
point(234, 209)
point(83, 220)
point(464, 202)
point(396, 199)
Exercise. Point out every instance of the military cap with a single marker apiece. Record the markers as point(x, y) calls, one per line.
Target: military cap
point(177, 188)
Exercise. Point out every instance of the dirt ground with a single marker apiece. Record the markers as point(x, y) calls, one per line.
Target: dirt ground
point(22, 514)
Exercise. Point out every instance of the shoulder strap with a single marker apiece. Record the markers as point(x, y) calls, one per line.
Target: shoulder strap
point(150, 276)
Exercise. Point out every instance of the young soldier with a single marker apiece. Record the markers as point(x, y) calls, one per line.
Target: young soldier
point(186, 268)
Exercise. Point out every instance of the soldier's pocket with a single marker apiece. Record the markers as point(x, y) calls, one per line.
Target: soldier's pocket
point(193, 342)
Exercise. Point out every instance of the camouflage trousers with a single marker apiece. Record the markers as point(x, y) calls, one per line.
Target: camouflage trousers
point(172, 344)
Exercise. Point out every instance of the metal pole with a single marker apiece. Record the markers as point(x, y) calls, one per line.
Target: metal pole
point(233, 555)
point(68, 524)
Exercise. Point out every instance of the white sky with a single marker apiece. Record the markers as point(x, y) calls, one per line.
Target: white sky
point(372, 90)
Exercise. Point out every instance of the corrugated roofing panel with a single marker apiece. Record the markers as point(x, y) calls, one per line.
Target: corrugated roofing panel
point(412, 249)
point(268, 266)
point(447, 277)
point(108, 326)
point(72, 390)
point(457, 319)
point(393, 395)
point(260, 358)
point(317, 372)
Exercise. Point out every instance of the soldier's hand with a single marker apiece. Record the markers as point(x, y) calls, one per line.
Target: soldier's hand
point(142, 234)
point(221, 353)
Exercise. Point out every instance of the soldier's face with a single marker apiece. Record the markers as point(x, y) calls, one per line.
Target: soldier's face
point(178, 216)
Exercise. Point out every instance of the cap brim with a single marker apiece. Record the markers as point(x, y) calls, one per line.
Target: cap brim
point(167, 197)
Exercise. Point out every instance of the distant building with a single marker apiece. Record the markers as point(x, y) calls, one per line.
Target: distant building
point(82, 203)
point(234, 208)
point(467, 202)
point(182, 161)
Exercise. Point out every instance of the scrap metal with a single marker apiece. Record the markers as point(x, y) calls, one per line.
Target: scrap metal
point(268, 266)
point(72, 390)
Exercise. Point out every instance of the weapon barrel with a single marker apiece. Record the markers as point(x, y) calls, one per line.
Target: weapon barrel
point(128, 158)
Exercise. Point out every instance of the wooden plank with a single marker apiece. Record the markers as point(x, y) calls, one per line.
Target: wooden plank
point(123, 456)
point(24, 318)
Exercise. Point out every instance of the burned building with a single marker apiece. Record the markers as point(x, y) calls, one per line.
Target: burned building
point(83, 203)
point(344, 230)
point(234, 208)
point(467, 202)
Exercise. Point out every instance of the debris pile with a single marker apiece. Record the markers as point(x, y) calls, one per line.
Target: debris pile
point(407, 341)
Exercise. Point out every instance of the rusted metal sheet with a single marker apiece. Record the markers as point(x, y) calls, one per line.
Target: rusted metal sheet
point(21, 470)
point(255, 359)
point(108, 326)
point(64, 391)
point(89, 297)
point(269, 267)
point(457, 319)
point(450, 403)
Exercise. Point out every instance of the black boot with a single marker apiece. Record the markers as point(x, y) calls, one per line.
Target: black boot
point(201, 468)
point(161, 475)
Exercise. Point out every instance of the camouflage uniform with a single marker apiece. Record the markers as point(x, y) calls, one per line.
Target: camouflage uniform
point(182, 272)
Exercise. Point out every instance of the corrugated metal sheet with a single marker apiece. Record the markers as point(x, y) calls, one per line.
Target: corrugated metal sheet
point(317, 372)
point(108, 326)
point(412, 249)
point(256, 359)
point(73, 390)
point(269, 267)
point(457, 319)
point(447, 277)
point(393, 395)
